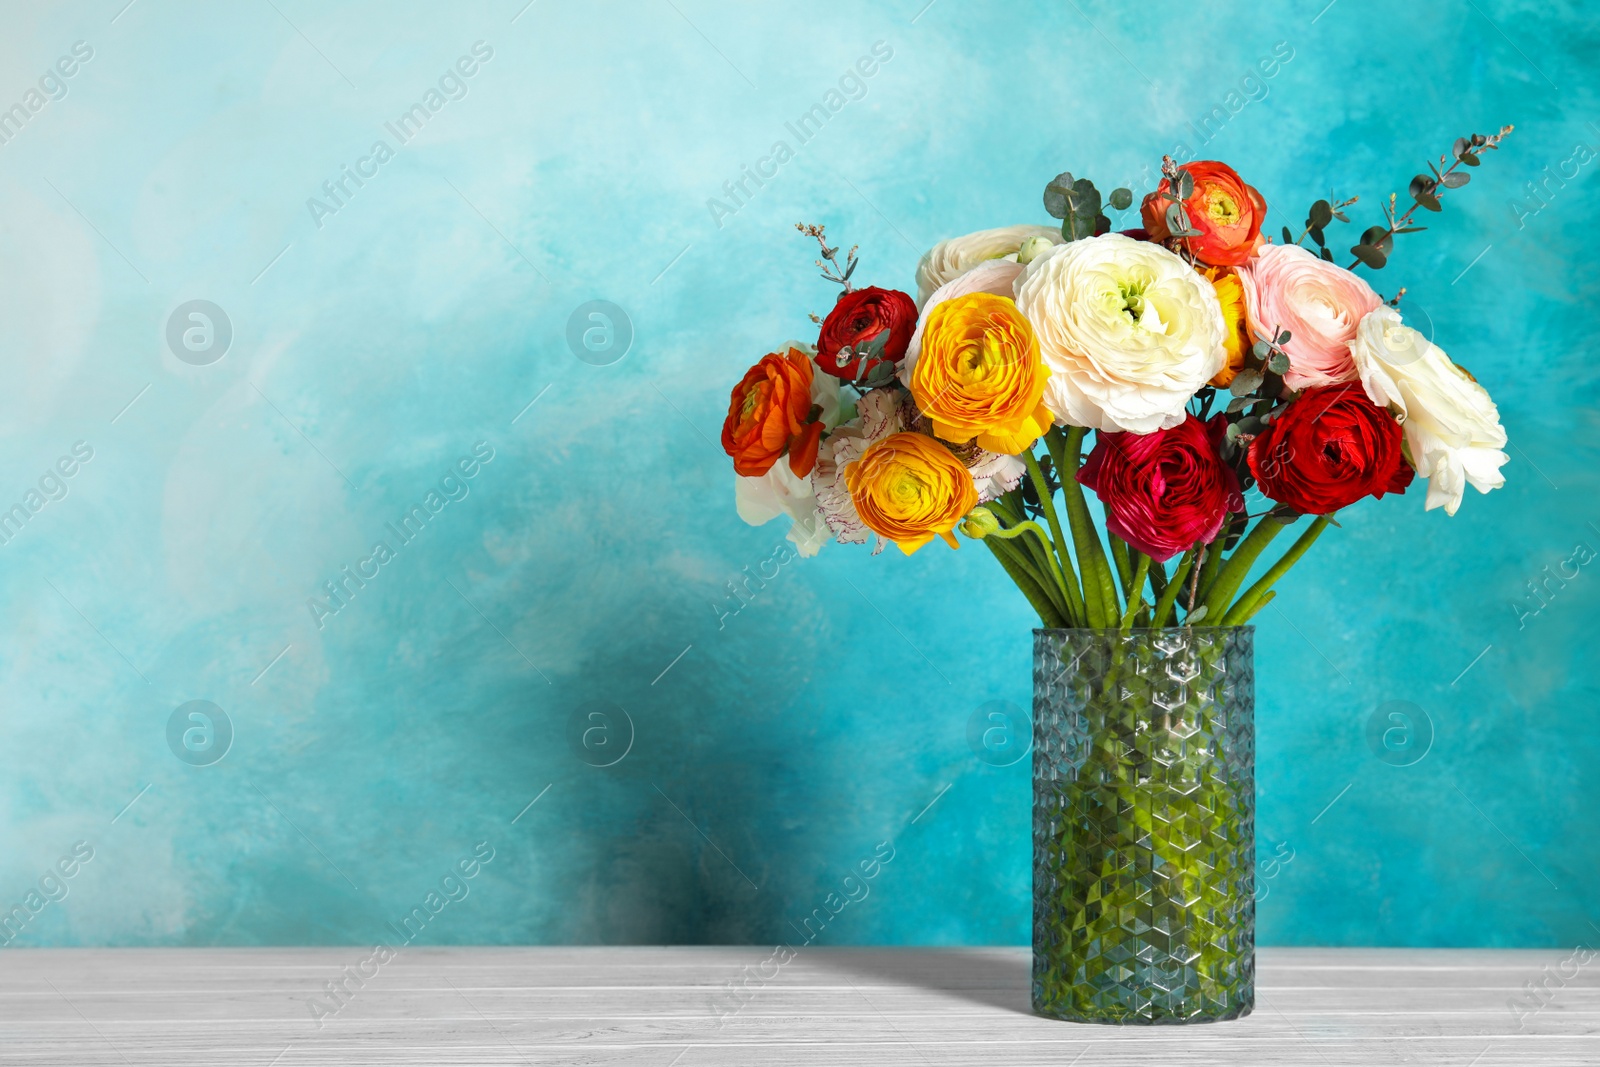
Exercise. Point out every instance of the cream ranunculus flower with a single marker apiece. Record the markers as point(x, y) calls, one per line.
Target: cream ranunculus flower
point(948, 260)
point(1128, 329)
point(1452, 428)
point(779, 491)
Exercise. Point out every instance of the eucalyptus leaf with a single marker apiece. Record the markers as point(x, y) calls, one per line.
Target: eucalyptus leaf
point(1121, 199)
point(1197, 614)
point(1411, 229)
point(1185, 185)
point(1085, 198)
point(1261, 350)
point(1076, 228)
point(1245, 382)
point(1238, 404)
point(1429, 201)
point(1421, 184)
point(1288, 238)
point(1321, 214)
point(1279, 363)
point(1284, 337)
point(1327, 255)
point(1459, 147)
point(1456, 179)
point(1370, 256)
point(1057, 195)
point(1316, 235)
point(1471, 159)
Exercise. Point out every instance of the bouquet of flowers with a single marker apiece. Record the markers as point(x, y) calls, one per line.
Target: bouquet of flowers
point(1208, 361)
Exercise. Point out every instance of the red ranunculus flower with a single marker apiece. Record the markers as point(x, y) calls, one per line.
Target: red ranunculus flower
point(861, 316)
point(1164, 491)
point(1329, 449)
point(1227, 212)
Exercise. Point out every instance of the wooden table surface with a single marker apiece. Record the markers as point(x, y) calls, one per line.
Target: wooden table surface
point(671, 1007)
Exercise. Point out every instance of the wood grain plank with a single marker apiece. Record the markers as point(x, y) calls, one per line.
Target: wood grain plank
point(670, 1006)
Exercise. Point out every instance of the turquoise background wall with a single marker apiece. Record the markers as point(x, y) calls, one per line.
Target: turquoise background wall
point(568, 605)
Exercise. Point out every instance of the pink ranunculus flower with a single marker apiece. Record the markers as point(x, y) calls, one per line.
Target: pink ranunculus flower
point(1320, 304)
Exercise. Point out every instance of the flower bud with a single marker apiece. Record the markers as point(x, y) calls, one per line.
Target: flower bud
point(979, 523)
point(1033, 247)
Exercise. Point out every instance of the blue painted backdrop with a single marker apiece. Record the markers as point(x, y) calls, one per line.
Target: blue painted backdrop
point(391, 309)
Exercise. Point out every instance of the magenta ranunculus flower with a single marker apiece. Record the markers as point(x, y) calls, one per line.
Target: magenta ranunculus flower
point(1164, 491)
point(1319, 303)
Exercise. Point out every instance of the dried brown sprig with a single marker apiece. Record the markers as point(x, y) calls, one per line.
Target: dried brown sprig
point(831, 270)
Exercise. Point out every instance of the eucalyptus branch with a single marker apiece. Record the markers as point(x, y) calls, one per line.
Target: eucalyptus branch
point(1378, 240)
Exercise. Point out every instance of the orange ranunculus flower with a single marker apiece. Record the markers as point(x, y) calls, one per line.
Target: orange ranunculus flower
point(1230, 291)
point(1227, 212)
point(909, 488)
point(769, 414)
point(979, 374)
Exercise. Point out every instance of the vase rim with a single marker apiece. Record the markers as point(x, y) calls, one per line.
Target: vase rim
point(1137, 629)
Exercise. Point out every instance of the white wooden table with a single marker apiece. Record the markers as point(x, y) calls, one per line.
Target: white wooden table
point(668, 1007)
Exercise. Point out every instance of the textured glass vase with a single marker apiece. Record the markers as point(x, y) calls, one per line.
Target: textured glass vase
point(1144, 824)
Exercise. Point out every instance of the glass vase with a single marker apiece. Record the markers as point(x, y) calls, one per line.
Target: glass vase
point(1144, 824)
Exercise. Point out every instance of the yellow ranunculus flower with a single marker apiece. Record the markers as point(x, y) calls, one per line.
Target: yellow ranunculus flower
point(1230, 293)
point(979, 374)
point(909, 488)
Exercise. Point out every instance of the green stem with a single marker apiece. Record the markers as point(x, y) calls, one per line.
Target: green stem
point(1047, 504)
point(1169, 596)
point(1209, 567)
point(1069, 577)
point(1100, 604)
point(1027, 556)
point(1256, 595)
point(1026, 583)
point(1119, 555)
point(1064, 589)
point(1257, 606)
point(1059, 590)
point(1233, 573)
point(1136, 598)
point(1158, 582)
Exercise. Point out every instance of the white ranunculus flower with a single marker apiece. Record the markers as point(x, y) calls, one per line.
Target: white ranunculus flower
point(1452, 427)
point(948, 260)
point(1128, 329)
point(997, 276)
point(780, 491)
